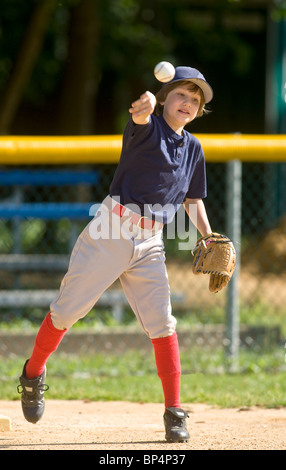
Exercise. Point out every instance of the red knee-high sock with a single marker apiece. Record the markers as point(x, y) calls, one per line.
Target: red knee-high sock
point(47, 341)
point(167, 357)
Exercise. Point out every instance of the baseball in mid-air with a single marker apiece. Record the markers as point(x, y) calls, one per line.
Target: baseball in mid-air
point(164, 72)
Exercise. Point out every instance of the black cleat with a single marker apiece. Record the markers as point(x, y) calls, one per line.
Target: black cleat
point(175, 425)
point(33, 402)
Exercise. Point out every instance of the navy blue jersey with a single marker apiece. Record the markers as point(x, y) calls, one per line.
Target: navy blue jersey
point(158, 169)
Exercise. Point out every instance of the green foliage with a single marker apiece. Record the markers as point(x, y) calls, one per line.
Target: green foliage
point(131, 37)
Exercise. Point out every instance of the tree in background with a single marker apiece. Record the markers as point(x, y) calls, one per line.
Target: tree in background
point(28, 53)
point(73, 66)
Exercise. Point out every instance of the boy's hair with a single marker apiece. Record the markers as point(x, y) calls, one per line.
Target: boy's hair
point(191, 86)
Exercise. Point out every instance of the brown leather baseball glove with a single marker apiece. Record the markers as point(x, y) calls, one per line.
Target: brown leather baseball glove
point(214, 254)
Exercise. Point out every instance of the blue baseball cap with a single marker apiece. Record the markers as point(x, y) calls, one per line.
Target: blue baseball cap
point(193, 75)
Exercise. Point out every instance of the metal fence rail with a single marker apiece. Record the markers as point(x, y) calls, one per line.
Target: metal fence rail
point(19, 150)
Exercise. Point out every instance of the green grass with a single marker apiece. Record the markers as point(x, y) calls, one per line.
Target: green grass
point(133, 377)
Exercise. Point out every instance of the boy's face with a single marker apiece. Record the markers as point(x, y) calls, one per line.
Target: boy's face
point(180, 107)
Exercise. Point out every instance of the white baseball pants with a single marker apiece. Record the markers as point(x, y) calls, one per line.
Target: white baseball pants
point(112, 247)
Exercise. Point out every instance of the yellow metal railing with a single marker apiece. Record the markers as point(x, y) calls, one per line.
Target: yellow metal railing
point(29, 150)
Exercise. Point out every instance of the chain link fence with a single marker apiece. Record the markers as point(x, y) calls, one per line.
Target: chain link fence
point(40, 221)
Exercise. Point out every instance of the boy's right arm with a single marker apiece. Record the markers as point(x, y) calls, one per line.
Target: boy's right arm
point(142, 108)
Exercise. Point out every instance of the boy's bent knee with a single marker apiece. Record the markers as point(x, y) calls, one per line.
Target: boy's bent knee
point(59, 322)
point(163, 330)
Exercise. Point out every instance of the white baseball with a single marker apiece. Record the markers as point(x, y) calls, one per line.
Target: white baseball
point(164, 72)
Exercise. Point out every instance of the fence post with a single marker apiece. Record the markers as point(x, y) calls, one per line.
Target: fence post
point(234, 182)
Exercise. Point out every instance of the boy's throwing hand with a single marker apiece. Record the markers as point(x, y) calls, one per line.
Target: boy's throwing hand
point(143, 107)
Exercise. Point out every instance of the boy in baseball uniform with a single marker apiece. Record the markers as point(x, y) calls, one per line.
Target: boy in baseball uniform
point(161, 167)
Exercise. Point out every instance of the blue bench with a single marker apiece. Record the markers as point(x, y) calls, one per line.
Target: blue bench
point(15, 209)
point(45, 210)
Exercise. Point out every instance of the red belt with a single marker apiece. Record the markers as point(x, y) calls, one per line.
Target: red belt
point(136, 219)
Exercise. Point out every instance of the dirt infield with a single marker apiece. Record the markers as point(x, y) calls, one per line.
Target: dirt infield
point(124, 426)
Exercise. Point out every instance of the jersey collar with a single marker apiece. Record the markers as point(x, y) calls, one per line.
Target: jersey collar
point(171, 132)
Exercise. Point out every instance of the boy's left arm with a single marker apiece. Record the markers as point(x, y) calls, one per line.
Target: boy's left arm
point(196, 210)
